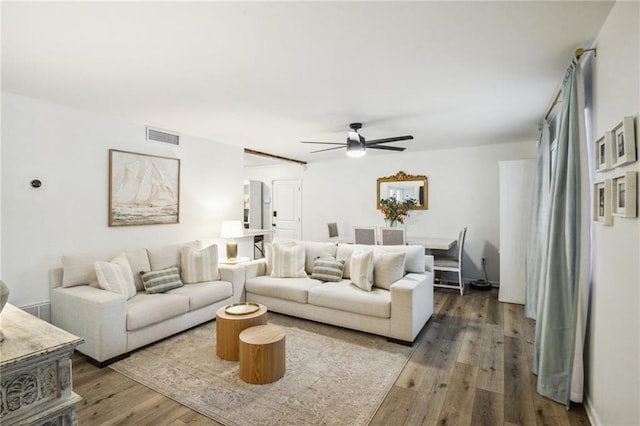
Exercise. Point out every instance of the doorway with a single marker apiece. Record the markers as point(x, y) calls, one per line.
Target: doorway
point(287, 208)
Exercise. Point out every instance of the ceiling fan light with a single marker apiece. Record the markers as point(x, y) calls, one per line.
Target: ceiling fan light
point(355, 150)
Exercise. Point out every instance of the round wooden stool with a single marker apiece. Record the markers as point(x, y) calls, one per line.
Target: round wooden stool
point(228, 328)
point(262, 354)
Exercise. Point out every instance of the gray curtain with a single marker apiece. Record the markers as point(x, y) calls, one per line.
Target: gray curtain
point(566, 268)
point(537, 244)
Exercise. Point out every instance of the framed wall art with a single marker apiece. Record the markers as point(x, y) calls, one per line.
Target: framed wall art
point(624, 143)
point(624, 195)
point(603, 152)
point(602, 202)
point(143, 189)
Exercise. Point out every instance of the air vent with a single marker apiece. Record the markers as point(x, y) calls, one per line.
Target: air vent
point(164, 136)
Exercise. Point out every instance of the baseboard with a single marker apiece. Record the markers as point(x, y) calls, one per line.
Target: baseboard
point(591, 412)
point(39, 310)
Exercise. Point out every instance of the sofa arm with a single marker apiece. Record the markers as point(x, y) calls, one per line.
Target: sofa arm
point(96, 315)
point(255, 268)
point(411, 305)
point(428, 262)
point(235, 274)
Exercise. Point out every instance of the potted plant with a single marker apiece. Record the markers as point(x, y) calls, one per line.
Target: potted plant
point(395, 211)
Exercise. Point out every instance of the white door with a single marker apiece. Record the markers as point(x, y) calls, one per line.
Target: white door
point(287, 208)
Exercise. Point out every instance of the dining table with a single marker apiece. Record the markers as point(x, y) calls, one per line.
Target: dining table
point(432, 243)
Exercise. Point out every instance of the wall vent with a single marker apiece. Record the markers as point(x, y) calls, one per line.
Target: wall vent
point(39, 310)
point(164, 136)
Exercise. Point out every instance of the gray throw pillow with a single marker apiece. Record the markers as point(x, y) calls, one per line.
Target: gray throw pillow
point(161, 280)
point(327, 269)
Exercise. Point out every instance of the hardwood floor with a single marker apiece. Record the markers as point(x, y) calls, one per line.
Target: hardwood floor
point(471, 366)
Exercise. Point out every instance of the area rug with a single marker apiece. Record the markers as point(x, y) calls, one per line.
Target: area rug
point(333, 376)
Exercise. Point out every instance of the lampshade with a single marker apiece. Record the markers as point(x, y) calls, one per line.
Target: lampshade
point(231, 229)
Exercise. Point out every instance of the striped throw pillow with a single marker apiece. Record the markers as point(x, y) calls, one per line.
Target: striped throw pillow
point(361, 266)
point(161, 280)
point(288, 261)
point(199, 266)
point(116, 276)
point(325, 269)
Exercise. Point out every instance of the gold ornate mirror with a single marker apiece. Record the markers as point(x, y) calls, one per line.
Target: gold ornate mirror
point(403, 186)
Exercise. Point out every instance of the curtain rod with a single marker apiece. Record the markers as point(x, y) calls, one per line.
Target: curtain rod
point(556, 97)
point(277, 157)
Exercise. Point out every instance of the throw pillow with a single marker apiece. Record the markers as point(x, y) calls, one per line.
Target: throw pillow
point(199, 266)
point(387, 268)
point(116, 276)
point(161, 280)
point(361, 266)
point(288, 261)
point(327, 269)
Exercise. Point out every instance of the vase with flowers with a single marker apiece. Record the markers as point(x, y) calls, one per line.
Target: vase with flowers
point(396, 211)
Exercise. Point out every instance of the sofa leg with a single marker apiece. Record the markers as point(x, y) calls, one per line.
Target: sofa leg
point(400, 342)
point(102, 364)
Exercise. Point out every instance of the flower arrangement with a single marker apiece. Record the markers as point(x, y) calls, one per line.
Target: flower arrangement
point(396, 211)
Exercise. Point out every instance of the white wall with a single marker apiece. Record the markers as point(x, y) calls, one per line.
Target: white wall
point(463, 191)
point(613, 342)
point(68, 150)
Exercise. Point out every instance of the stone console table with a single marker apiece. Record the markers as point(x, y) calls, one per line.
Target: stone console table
point(35, 371)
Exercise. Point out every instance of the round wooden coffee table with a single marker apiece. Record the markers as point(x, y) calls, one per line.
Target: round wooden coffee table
point(262, 354)
point(229, 327)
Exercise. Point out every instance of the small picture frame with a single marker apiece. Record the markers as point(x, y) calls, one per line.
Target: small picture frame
point(603, 152)
point(602, 202)
point(623, 143)
point(623, 195)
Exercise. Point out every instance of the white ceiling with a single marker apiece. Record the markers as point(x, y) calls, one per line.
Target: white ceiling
point(266, 75)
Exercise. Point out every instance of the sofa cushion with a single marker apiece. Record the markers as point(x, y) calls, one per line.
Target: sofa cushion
point(116, 276)
point(79, 269)
point(146, 309)
point(199, 265)
point(344, 296)
point(387, 268)
point(204, 294)
point(414, 261)
point(161, 280)
point(314, 250)
point(139, 261)
point(169, 255)
point(288, 261)
point(329, 270)
point(361, 265)
point(294, 289)
point(344, 252)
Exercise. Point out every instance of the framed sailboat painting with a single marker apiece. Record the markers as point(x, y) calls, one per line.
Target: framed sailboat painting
point(143, 189)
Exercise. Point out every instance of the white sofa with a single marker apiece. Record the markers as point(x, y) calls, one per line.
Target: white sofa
point(398, 313)
point(113, 326)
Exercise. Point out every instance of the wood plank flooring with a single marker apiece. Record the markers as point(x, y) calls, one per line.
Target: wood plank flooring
point(471, 366)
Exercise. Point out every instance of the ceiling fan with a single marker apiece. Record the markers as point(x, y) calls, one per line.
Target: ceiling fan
point(356, 144)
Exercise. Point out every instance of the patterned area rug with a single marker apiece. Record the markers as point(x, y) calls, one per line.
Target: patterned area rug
point(333, 376)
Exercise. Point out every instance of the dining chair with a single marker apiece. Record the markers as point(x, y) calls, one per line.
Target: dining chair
point(335, 236)
point(365, 235)
point(392, 236)
point(451, 264)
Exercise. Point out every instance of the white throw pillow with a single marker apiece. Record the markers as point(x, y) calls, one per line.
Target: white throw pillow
point(116, 276)
point(288, 261)
point(387, 268)
point(361, 266)
point(199, 265)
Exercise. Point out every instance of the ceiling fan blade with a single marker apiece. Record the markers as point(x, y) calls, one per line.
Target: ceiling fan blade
point(327, 149)
point(327, 143)
point(387, 148)
point(385, 140)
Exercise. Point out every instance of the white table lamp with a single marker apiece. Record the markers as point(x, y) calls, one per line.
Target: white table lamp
point(231, 229)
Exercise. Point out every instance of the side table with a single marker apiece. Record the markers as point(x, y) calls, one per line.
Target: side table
point(36, 371)
point(229, 327)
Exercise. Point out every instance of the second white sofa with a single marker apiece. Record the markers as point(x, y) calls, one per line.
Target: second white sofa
point(398, 312)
